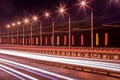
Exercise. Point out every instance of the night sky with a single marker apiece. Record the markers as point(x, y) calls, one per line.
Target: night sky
point(105, 11)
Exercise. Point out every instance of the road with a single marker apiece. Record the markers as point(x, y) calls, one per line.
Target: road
point(22, 68)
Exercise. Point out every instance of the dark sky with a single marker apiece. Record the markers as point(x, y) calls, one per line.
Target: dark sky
point(105, 11)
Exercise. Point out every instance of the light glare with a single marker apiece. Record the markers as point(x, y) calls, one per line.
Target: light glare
point(8, 26)
point(13, 24)
point(47, 14)
point(18, 23)
point(26, 20)
point(61, 10)
point(83, 3)
point(35, 18)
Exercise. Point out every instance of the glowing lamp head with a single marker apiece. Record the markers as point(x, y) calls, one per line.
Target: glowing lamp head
point(26, 20)
point(13, 24)
point(61, 10)
point(18, 23)
point(83, 3)
point(8, 26)
point(47, 14)
point(35, 18)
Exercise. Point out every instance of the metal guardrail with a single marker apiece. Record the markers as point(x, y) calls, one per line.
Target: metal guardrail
point(86, 52)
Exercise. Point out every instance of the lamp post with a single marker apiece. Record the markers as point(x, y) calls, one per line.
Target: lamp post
point(47, 14)
point(26, 22)
point(40, 33)
point(83, 3)
point(8, 26)
point(17, 32)
point(13, 24)
point(35, 18)
point(62, 10)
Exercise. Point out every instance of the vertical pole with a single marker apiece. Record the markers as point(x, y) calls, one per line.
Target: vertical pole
point(12, 36)
point(31, 35)
point(40, 34)
point(69, 32)
point(23, 35)
point(91, 28)
point(53, 25)
point(17, 36)
point(8, 38)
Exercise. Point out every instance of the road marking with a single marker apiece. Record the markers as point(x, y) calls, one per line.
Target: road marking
point(20, 78)
point(20, 73)
point(37, 69)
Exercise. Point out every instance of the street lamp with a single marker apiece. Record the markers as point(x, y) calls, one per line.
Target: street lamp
point(13, 24)
point(83, 4)
point(8, 26)
point(47, 14)
point(26, 21)
point(18, 23)
point(35, 18)
point(62, 10)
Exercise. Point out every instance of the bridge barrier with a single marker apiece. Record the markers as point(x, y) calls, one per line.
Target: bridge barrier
point(85, 52)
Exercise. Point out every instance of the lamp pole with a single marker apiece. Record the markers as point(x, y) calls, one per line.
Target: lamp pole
point(47, 14)
point(62, 10)
point(18, 32)
point(12, 36)
point(31, 35)
point(40, 33)
point(53, 30)
point(23, 35)
point(8, 26)
point(69, 30)
point(83, 4)
point(92, 46)
point(17, 36)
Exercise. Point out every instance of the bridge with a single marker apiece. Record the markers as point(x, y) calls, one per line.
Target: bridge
point(46, 47)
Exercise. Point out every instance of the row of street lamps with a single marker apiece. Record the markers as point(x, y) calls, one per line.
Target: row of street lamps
point(61, 10)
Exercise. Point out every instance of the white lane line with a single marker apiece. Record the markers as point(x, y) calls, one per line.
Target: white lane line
point(20, 78)
point(38, 69)
point(94, 64)
point(20, 73)
point(29, 70)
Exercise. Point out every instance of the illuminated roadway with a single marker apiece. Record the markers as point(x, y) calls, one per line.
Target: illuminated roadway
point(17, 65)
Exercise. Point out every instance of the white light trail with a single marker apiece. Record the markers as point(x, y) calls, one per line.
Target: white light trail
point(36, 69)
point(20, 73)
point(94, 64)
point(12, 73)
point(26, 69)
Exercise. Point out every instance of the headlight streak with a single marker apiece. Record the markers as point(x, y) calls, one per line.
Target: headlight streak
point(94, 64)
point(20, 73)
point(20, 78)
point(11, 63)
point(36, 69)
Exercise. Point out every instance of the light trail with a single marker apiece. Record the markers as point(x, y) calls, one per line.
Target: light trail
point(36, 69)
point(14, 64)
point(20, 78)
point(93, 64)
point(20, 73)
